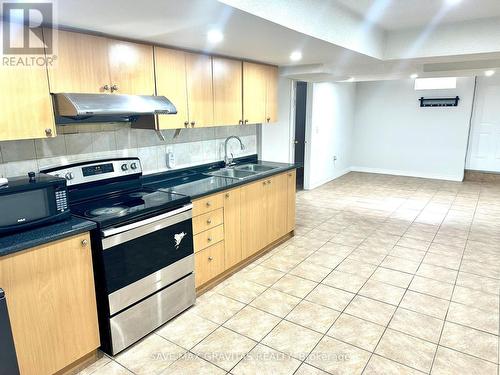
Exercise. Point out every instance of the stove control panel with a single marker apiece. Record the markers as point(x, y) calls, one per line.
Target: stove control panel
point(81, 173)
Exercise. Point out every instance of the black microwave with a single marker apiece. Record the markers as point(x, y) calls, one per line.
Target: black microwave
point(34, 200)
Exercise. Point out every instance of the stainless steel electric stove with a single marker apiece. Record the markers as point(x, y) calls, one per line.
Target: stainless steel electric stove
point(142, 248)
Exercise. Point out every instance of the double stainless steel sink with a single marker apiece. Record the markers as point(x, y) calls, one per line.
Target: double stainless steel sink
point(241, 172)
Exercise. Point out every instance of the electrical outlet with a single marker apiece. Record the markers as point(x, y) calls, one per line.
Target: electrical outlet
point(170, 158)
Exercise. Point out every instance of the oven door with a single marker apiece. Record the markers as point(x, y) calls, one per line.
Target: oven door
point(146, 256)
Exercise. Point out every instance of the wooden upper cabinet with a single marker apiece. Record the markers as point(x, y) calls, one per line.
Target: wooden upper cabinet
point(52, 305)
point(25, 100)
point(170, 68)
point(131, 68)
point(200, 90)
point(81, 65)
point(272, 94)
point(254, 93)
point(26, 105)
point(228, 99)
point(94, 64)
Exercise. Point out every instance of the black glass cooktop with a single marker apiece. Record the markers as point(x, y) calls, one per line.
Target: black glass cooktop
point(119, 207)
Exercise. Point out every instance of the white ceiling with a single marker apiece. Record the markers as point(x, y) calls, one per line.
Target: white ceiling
point(333, 35)
point(185, 24)
point(400, 14)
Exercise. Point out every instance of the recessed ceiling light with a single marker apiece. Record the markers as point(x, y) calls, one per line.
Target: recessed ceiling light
point(453, 2)
point(414, 75)
point(351, 79)
point(215, 36)
point(296, 56)
point(489, 73)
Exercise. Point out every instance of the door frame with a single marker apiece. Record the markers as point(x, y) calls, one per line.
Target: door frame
point(307, 137)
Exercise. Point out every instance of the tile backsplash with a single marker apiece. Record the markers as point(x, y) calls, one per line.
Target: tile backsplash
point(91, 142)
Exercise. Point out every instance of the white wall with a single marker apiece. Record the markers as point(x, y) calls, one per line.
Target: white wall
point(484, 144)
point(276, 138)
point(330, 132)
point(393, 135)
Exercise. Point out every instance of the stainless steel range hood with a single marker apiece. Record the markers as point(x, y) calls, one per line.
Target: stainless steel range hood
point(80, 106)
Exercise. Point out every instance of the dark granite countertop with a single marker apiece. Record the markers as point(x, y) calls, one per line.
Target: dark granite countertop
point(195, 183)
point(41, 235)
point(192, 182)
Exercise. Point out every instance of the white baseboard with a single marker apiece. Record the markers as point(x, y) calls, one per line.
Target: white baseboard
point(408, 173)
point(325, 181)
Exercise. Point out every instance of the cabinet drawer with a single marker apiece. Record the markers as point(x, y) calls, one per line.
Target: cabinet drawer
point(207, 204)
point(209, 263)
point(209, 220)
point(208, 237)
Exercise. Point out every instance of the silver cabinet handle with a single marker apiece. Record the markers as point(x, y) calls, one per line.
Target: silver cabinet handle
point(105, 87)
point(48, 132)
point(114, 88)
point(209, 239)
point(85, 242)
point(193, 123)
point(209, 221)
point(210, 259)
point(227, 195)
point(186, 123)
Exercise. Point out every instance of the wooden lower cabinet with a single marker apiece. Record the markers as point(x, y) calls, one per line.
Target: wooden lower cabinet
point(208, 238)
point(254, 216)
point(291, 191)
point(52, 306)
point(277, 207)
point(207, 221)
point(207, 204)
point(232, 226)
point(209, 263)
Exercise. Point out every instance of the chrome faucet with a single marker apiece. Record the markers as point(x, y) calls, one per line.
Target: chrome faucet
point(228, 161)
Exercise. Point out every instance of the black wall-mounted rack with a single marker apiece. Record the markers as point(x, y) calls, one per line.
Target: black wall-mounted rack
point(439, 102)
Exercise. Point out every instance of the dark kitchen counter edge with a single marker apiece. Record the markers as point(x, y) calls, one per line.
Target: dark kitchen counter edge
point(171, 178)
point(15, 242)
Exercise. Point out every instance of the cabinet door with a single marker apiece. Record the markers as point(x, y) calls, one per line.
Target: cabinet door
point(232, 227)
point(254, 224)
point(26, 105)
point(290, 222)
point(82, 64)
point(170, 66)
point(131, 68)
point(228, 96)
point(209, 263)
point(277, 207)
point(254, 93)
point(272, 94)
point(52, 306)
point(200, 91)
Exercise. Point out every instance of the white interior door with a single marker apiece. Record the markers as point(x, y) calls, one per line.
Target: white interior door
point(484, 143)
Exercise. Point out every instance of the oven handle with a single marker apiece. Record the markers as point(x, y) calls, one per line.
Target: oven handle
point(115, 236)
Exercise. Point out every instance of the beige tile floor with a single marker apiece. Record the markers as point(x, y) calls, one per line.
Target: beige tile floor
point(386, 275)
